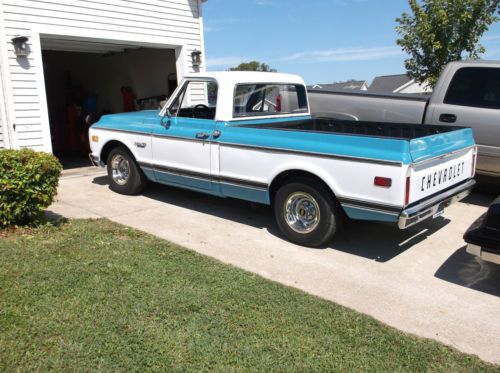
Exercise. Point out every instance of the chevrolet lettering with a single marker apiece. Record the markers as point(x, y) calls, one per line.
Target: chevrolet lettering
point(251, 136)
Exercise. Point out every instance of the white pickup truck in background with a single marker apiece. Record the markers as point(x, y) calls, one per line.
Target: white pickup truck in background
point(466, 95)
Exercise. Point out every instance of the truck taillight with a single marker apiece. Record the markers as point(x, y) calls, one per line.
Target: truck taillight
point(407, 191)
point(383, 182)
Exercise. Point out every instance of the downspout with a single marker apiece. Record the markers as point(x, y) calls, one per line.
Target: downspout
point(203, 66)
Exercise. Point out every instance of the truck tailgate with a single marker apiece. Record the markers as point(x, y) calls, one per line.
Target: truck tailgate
point(432, 176)
point(440, 161)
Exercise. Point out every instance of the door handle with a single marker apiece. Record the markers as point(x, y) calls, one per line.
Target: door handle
point(216, 134)
point(448, 118)
point(202, 135)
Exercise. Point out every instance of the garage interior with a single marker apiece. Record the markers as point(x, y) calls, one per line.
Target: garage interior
point(87, 79)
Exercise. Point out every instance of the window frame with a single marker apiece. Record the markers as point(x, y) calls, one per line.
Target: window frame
point(265, 113)
point(445, 98)
point(182, 91)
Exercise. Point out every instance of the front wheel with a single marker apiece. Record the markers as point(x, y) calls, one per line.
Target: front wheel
point(306, 213)
point(125, 176)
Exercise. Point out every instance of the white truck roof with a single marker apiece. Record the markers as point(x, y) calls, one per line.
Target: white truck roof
point(227, 80)
point(236, 77)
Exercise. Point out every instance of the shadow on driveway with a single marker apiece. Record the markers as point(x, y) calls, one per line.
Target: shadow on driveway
point(380, 242)
point(471, 272)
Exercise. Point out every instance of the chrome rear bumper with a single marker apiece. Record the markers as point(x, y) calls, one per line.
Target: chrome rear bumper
point(483, 254)
point(430, 207)
point(96, 162)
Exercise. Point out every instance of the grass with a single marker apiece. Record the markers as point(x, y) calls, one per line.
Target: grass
point(96, 296)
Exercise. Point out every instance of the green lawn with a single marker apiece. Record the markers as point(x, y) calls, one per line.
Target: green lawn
point(94, 295)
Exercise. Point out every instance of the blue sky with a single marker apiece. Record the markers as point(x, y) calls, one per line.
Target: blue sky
point(321, 40)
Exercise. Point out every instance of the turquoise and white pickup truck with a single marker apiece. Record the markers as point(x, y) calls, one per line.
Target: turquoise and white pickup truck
point(251, 136)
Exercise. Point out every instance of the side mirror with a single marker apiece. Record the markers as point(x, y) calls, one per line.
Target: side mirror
point(168, 115)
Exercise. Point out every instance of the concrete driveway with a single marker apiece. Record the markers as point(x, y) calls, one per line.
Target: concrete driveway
point(420, 280)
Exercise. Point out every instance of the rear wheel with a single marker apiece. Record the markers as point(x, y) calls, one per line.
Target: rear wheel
point(125, 176)
point(306, 213)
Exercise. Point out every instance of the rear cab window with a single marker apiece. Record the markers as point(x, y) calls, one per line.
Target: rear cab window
point(475, 87)
point(262, 99)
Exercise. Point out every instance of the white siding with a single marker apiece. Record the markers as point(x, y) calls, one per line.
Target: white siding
point(174, 21)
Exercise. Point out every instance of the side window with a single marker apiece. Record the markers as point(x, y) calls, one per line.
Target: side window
point(269, 99)
point(476, 87)
point(198, 99)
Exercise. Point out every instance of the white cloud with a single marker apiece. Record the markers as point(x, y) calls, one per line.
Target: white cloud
point(224, 61)
point(345, 54)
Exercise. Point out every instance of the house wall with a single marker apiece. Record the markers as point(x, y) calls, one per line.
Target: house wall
point(414, 88)
point(155, 23)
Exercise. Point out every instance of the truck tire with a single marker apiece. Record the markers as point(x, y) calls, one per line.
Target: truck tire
point(125, 176)
point(306, 213)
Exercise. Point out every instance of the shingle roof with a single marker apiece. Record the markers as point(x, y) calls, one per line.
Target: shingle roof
point(388, 83)
point(353, 84)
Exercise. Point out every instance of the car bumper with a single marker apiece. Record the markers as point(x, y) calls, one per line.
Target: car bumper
point(434, 205)
point(96, 161)
point(485, 255)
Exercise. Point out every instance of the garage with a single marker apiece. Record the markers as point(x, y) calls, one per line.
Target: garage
point(66, 63)
point(84, 80)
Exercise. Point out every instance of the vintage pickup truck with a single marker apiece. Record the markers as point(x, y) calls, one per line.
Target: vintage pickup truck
point(467, 94)
point(251, 136)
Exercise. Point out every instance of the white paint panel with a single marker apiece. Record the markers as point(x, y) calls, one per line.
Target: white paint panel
point(264, 165)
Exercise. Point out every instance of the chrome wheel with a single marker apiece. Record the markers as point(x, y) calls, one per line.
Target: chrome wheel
point(120, 169)
point(301, 212)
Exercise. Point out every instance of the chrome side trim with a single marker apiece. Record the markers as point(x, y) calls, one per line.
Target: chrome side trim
point(206, 177)
point(123, 131)
point(428, 208)
point(386, 209)
point(455, 152)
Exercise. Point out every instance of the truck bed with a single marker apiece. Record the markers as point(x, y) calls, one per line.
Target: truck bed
point(402, 131)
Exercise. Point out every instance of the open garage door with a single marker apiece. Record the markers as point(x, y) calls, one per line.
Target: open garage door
point(85, 79)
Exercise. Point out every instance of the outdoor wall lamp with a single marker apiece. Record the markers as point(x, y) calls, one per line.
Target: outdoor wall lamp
point(20, 47)
point(196, 58)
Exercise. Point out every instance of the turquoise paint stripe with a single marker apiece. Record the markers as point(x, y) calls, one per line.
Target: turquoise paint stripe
point(137, 121)
point(240, 122)
point(359, 213)
point(393, 150)
point(247, 194)
point(433, 146)
point(220, 189)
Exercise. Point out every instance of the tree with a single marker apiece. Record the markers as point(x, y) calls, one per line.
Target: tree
point(253, 66)
point(441, 31)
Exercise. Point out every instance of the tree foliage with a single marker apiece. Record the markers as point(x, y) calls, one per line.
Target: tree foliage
point(253, 66)
point(441, 31)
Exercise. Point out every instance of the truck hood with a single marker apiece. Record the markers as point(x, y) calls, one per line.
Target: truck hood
point(127, 121)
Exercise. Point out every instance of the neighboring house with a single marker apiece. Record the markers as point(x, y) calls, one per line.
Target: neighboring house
point(400, 83)
point(86, 56)
point(359, 85)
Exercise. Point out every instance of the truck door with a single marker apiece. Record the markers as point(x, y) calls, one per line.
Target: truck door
point(473, 100)
point(181, 142)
